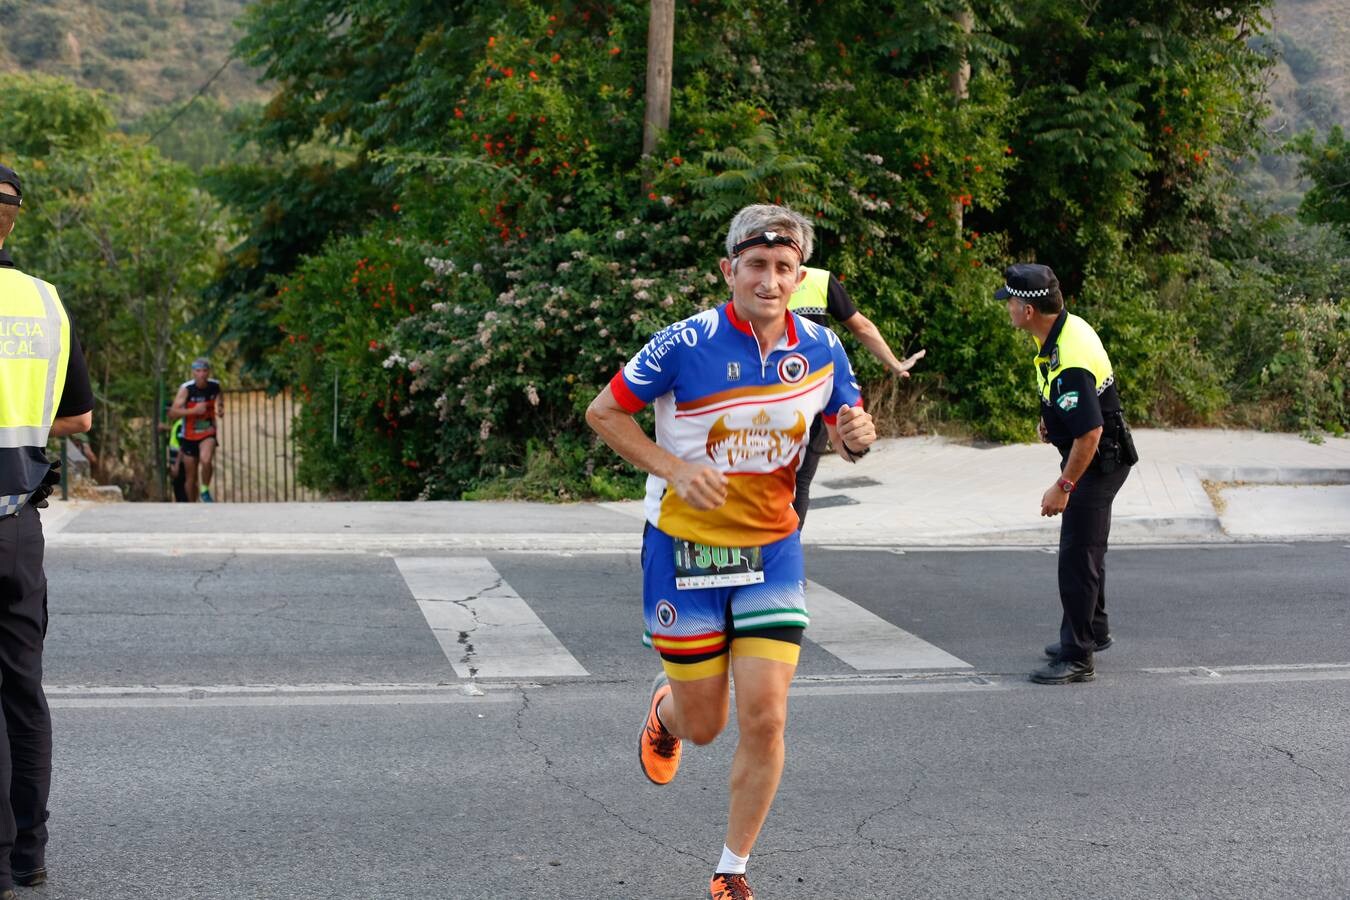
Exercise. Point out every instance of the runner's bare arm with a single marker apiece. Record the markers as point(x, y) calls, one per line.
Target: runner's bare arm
point(702, 487)
point(179, 409)
point(853, 427)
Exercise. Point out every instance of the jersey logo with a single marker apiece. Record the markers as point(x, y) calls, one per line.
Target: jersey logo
point(733, 371)
point(759, 440)
point(1068, 401)
point(792, 368)
point(665, 613)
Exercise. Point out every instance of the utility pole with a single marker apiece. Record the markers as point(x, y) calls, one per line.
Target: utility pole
point(660, 60)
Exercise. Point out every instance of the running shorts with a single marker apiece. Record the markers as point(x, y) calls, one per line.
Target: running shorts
point(696, 630)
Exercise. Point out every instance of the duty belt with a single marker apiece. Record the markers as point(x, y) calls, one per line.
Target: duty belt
point(10, 504)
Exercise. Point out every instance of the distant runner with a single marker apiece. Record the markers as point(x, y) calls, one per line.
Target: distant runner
point(199, 404)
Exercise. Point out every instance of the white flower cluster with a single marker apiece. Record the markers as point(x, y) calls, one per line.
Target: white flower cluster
point(442, 267)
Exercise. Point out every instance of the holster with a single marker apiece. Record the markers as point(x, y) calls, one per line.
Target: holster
point(49, 483)
point(1116, 447)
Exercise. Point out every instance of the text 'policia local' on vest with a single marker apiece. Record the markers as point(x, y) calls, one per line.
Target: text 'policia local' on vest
point(34, 353)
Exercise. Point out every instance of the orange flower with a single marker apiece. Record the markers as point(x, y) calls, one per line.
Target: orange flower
point(614, 51)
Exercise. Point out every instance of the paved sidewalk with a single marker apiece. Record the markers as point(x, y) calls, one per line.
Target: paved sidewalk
point(923, 491)
point(935, 491)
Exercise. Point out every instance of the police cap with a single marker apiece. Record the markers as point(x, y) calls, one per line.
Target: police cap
point(8, 176)
point(1027, 281)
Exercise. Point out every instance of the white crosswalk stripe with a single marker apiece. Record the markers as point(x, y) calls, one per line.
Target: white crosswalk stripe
point(866, 641)
point(482, 624)
point(487, 630)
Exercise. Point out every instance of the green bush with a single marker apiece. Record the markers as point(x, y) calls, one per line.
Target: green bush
point(336, 313)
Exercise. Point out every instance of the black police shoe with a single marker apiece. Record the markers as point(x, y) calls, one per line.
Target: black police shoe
point(1052, 650)
point(1065, 671)
point(31, 878)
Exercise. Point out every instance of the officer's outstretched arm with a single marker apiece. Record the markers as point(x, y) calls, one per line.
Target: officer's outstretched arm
point(65, 425)
point(702, 487)
point(867, 333)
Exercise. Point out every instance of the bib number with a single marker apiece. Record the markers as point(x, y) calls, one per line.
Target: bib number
point(702, 566)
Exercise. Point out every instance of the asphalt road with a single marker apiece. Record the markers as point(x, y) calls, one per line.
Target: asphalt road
point(288, 725)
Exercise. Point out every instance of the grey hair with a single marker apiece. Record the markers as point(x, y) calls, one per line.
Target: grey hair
point(761, 217)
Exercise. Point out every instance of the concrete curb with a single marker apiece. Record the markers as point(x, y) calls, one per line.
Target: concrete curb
point(1267, 474)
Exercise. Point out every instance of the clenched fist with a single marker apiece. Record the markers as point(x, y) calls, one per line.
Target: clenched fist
point(702, 487)
point(856, 429)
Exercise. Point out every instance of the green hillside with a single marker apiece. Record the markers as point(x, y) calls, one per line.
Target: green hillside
point(1310, 88)
point(146, 54)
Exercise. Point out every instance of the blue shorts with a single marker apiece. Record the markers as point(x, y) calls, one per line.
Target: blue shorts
point(696, 629)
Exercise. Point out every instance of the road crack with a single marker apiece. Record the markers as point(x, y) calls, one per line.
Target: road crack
point(564, 783)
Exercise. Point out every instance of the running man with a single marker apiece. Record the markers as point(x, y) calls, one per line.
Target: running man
point(735, 389)
point(199, 404)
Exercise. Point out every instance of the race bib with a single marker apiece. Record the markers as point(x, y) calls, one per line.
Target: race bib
point(702, 566)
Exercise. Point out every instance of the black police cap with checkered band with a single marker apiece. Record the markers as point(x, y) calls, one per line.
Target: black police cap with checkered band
point(1027, 281)
point(9, 177)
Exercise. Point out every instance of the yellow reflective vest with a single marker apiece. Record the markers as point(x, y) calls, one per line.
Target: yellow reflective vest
point(34, 352)
point(1076, 347)
point(810, 298)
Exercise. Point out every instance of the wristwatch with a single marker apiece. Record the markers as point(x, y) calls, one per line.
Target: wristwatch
point(1066, 485)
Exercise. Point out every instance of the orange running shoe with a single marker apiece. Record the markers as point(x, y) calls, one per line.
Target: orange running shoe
point(730, 887)
point(658, 749)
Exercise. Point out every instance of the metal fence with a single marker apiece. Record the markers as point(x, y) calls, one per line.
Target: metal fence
point(256, 459)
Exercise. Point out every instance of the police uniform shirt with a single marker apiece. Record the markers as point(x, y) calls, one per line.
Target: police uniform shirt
point(838, 306)
point(77, 396)
point(1074, 407)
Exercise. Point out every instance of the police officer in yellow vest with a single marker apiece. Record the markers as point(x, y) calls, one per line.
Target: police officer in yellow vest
point(821, 297)
point(44, 392)
point(1081, 416)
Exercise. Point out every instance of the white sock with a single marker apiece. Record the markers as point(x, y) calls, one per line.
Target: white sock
point(658, 715)
point(731, 864)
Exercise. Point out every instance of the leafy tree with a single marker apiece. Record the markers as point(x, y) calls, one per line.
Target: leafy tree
point(41, 113)
point(1327, 165)
point(491, 156)
point(129, 241)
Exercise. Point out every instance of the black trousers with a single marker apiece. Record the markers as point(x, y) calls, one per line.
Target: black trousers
point(26, 745)
point(817, 445)
point(1083, 532)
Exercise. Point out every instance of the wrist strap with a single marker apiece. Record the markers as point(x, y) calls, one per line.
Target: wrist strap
point(854, 454)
